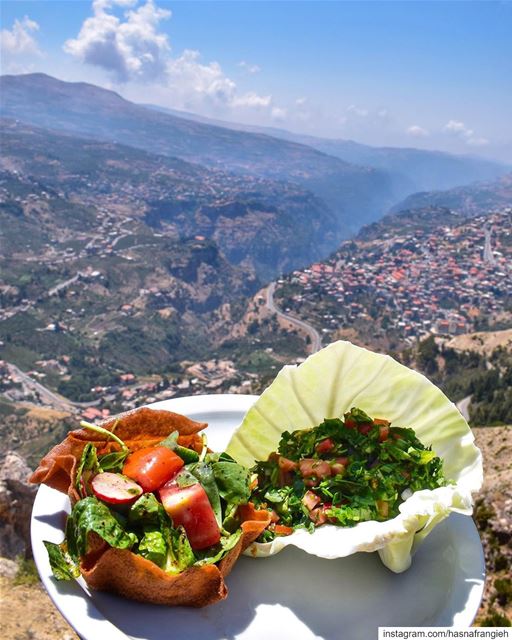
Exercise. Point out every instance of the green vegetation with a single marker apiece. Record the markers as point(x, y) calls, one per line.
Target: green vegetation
point(495, 619)
point(492, 391)
point(503, 588)
point(27, 573)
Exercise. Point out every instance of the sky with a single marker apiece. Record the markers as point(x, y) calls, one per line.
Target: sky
point(434, 75)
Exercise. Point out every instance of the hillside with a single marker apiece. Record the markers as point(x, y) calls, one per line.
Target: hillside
point(468, 200)
point(411, 169)
point(407, 277)
point(355, 194)
point(268, 225)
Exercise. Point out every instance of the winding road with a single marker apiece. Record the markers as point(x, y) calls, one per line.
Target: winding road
point(463, 407)
point(48, 397)
point(316, 341)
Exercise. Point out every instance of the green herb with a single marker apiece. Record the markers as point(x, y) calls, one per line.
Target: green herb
point(232, 481)
point(204, 473)
point(104, 432)
point(216, 553)
point(180, 555)
point(187, 455)
point(378, 468)
point(87, 466)
point(113, 461)
point(153, 547)
point(63, 567)
point(92, 516)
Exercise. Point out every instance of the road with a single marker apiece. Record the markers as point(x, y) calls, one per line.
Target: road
point(316, 341)
point(63, 285)
point(463, 407)
point(47, 396)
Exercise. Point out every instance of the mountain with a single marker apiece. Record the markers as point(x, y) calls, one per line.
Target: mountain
point(410, 169)
point(267, 225)
point(469, 200)
point(355, 194)
point(410, 221)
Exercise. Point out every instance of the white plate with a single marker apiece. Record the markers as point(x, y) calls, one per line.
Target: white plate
point(290, 595)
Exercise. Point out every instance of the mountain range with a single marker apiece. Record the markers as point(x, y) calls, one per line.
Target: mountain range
point(355, 194)
point(411, 170)
point(356, 182)
point(468, 200)
point(267, 225)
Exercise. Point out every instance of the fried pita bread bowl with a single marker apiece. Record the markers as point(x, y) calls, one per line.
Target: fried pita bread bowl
point(327, 385)
point(120, 570)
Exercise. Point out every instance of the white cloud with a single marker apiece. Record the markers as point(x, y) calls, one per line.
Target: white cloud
point(300, 102)
point(357, 111)
point(251, 99)
point(133, 49)
point(417, 132)
point(278, 113)
point(478, 142)
point(18, 41)
point(193, 82)
point(130, 49)
point(249, 68)
point(459, 129)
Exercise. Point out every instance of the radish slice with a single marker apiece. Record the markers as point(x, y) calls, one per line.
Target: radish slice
point(115, 488)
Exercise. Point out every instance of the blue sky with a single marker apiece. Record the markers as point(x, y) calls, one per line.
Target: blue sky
point(424, 74)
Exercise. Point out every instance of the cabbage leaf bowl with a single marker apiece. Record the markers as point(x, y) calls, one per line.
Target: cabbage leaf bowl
point(326, 385)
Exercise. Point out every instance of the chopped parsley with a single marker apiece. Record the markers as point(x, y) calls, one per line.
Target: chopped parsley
point(342, 472)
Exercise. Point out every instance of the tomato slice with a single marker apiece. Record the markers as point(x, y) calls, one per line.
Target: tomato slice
point(190, 508)
point(364, 428)
point(152, 467)
point(383, 432)
point(310, 467)
point(286, 465)
point(310, 500)
point(324, 446)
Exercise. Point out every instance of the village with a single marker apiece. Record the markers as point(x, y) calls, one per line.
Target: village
point(448, 282)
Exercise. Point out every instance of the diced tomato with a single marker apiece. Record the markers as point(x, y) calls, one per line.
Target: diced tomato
point(311, 481)
point(283, 530)
point(350, 424)
point(286, 465)
point(324, 446)
point(189, 507)
point(343, 460)
point(318, 516)
point(152, 467)
point(383, 433)
point(337, 468)
point(311, 467)
point(310, 500)
point(364, 428)
point(115, 488)
point(381, 421)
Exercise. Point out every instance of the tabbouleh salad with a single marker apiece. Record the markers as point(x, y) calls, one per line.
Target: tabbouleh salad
point(342, 472)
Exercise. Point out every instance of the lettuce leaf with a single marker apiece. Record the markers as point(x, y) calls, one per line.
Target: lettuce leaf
point(326, 386)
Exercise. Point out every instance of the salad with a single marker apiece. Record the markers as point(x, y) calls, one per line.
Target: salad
point(342, 472)
point(317, 392)
point(156, 519)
